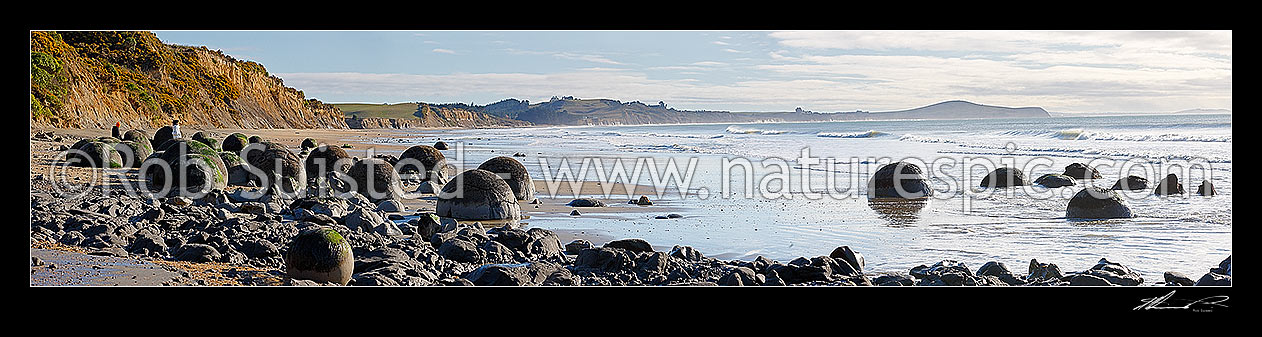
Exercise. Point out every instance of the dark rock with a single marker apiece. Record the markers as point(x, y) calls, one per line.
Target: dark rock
point(1088, 280)
point(604, 258)
point(376, 179)
point(575, 246)
point(309, 143)
point(739, 276)
point(1175, 278)
point(525, 274)
point(235, 142)
point(1055, 180)
point(893, 280)
point(585, 202)
point(1206, 188)
point(643, 201)
point(845, 253)
point(1004, 177)
point(687, 253)
point(1214, 279)
point(891, 178)
point(460, 250)
point(196, 252)
point(1115, 273)
point(1130, 183)
point(392, 206)
point(575, 213)
point(945, 272)
point(1000, 272)
point(1081, 171)
point(1169, 185)
point(1223, 267)
point(425, 162)
point(440, 145)
point(633, 245)
point(1097, 203)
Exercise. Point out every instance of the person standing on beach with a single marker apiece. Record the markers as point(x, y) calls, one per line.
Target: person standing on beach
point(116, 134)
point(175, 130)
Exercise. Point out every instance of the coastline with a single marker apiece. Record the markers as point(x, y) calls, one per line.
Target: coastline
point(833, 273)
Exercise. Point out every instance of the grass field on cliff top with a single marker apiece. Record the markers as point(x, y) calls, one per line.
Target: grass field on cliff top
point(398, 110)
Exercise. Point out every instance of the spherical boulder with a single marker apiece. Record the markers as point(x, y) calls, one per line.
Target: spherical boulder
point(893, 177)
point(320, 255)
point(235, 142)
point(585, 202)
point(478, 195)
point(425, 161)
point(1206, 188)
point(276, 161)
point(133, 152)
point(255, 139)
point(186, 168)
point(205, 138)
point(1055, 180)
point(1130, 183)
point(138, 136)
point(1097, 203)
point(1169, 185)
point(96, 154)
point(238, 172)
point(309, 143)
point(326, 159)
point(376, 179)
point(163, 134)
point(440, 145)
point(1004, 177)
point(513, 173)
point(1081, 171)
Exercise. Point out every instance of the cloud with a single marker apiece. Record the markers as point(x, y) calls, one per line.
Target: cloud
point(566, 55)
point(721, 43)
point(444, 51)
point(730, 50)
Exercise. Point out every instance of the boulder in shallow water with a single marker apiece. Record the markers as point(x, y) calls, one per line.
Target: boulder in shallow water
point(1097, 203)
point(585, 202)
point(1043, 272)
point(1206, 188)
point(850, 256)
point(899, 180)
point(440, 145)
point(1169, 185)
point(478, 195)
point(513, 173)
point(1130, 183)
point(1004, 177)
point(1174, 278)
point(1081, 171)
point(1214, 279)
point(426, 162)
point(1055, 180)
point(320, 255)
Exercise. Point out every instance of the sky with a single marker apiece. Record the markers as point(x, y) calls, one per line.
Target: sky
point(823, 71)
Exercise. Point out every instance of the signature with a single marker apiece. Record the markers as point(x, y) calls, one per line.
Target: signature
point(1160, 303)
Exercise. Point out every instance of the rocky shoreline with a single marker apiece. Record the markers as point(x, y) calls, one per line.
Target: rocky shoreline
point(232, 226)
point(224, 228)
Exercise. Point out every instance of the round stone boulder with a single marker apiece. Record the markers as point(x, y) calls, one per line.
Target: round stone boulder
point(1169, 185)
point(238, 173)
point(162, 135)
point(255, 139)
point(324, 160)
point(133, 152)
point(138, 136)
point(513, 173)
point(1097, 203)
point(205, 138)
point(309, 143)
point(320, 255)
point(1004, 177)
point(235, 142)
point(274, 160)
point(440, 145)
point(1054, 180)
point(186, 168)
point(424, 160)
point(1081, 171)
point(478, 195)
point(376, 179)
point(585, 202)
point(1130, 183)
point(96, 154)
point(889, 179)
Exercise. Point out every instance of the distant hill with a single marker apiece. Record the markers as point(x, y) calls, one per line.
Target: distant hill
point(93, 79)
point(419, 115)
point(961, 109)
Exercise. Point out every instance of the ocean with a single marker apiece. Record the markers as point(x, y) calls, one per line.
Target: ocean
point(790, 212)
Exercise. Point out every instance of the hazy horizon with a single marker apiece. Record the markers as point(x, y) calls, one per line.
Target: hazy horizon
point(751, 71)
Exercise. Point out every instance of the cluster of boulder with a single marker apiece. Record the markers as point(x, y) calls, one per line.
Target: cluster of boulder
point(1091, 202)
